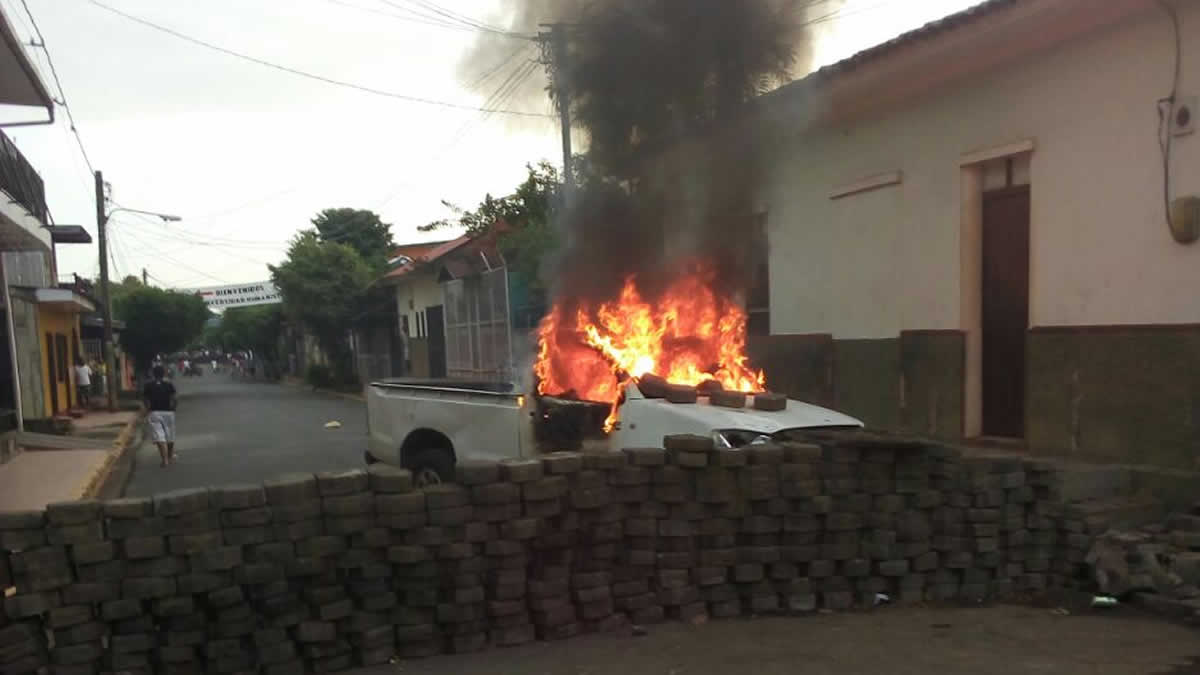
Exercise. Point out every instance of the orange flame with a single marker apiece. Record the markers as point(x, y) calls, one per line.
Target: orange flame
point(690, 335)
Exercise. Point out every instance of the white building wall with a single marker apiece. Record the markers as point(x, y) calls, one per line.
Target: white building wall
point(414, 295)
point(872, 264)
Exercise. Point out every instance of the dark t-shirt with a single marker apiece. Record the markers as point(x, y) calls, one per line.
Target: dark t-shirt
point(159, 394)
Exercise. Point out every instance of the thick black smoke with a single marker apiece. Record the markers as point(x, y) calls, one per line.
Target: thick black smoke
point(661, 92)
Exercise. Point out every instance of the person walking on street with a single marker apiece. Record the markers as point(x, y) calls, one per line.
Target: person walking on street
point(159, 399)
point(83, 382)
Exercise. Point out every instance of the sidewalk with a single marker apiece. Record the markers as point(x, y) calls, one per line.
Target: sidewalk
point(53, 468)
point(35, 478)
point(98, 419)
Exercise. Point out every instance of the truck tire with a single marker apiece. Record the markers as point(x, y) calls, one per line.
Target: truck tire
point(431, 466)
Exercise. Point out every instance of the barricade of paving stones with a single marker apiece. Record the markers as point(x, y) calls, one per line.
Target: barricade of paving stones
point(321, 573)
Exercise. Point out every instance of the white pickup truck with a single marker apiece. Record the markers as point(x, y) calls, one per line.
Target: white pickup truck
point(426, 425)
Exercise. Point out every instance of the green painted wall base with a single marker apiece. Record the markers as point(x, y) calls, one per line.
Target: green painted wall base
point(910, 383)
point(1129, 395)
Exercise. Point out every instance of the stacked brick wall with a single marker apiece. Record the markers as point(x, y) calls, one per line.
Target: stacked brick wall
point(321, 573)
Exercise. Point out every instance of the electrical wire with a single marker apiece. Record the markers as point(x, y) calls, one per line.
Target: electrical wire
point(455, 17)
point(479, 82)
point(410, 18)
point(152, 252)
point(303, 73)
point(503, 92)
point(1166, 108)
point(62, 95)
point(173, 239)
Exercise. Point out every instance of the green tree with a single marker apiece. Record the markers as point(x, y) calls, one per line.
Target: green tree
point(359, 229)
point(257, 328)
point(528, 212)
point(157, 321)
point(323, 285)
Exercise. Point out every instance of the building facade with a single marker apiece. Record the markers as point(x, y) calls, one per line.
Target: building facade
point(40, 321)
point(968, 235)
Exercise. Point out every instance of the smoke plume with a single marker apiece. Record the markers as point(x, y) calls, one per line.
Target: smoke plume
point(659, 91)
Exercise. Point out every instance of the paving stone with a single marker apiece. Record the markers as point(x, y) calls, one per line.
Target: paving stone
point(603, 461)
point(476, 472)
point(238, 496)
point(550, 487)
point(75, 534)
point(20, 540)
point(247, 517)
point(187, 544)
point(77, 654)
point(22, 520)
point(349, 505)
point(146, 588)
point(388, 479)
point(65, 617)
point(199, 522)
point(520, 470)
point(90, 593)
point(560, 463)
point(181, 502)
point(201, 582)
point(291, 489)
point(74, 512)
point(26, 605)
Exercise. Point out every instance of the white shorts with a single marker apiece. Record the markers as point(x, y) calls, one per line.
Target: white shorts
point(162, 426)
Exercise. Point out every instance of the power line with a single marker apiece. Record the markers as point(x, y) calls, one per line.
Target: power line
point(414, 17)
point(502, 93)
point(498, 67)
point(168, 238)
point(151, 251)
point(454, 17)
point(62, 95)
point(303, 73)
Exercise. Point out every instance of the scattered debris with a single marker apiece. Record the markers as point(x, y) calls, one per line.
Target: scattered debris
point(882, 599)
point(1061, 611)
point(1156, 566)
point(639, 631)
point(333, 424)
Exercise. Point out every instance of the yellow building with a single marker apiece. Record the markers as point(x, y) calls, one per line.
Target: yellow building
point(58, 332)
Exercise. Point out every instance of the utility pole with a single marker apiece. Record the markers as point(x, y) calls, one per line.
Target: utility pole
point(110, 356)
point(144, 277)
point(554, 54)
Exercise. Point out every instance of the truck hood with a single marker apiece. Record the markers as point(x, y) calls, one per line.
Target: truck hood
point(702, 414)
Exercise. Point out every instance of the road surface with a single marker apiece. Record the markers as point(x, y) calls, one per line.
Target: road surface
point(1004, 640)
point(232, 431)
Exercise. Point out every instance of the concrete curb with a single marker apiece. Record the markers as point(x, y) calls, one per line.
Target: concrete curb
point(122, 444)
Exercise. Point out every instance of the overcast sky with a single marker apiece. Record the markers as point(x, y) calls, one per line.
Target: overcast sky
point(246, 154)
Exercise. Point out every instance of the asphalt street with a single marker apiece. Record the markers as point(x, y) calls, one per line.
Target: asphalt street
point(232, 431)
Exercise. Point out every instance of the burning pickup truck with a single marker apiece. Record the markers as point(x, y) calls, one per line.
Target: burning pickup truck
point(615, 375)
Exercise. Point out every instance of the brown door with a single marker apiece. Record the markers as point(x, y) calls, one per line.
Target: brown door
point(1005, 310)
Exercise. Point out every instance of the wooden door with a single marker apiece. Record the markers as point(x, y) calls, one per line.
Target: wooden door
point(1005, 310)
point(435, 329)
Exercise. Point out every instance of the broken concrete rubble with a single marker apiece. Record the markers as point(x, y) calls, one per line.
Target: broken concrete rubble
point(1157, 565)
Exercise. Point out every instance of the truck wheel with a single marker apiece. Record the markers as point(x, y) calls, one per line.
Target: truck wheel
point(431, 466)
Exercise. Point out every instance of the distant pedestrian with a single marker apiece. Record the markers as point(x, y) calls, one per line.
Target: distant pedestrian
point(159, 399)
point(83, 383)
